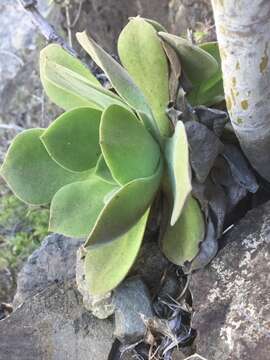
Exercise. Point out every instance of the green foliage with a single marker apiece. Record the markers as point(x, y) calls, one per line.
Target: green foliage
point(181, 241)
point(101, 164)
point(31, 173)
point(72, 139)
point(177, 156)
point(142, 54)
point(116, 126)
point(197, 63)
point(121, 81)
point(107, 265)
point(21, 229)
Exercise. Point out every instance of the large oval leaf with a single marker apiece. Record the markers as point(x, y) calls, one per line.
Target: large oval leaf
point(198, 64)
point(211, 91)
point(73, 83)
point(103, 171)
point(61, 96)
point(120, 79)
point(75, 207)
point(31, 173)
point(177, 156)
point(124, 208)
point(72, 139)
point(106, 265)
point(181, 241)
point(142, 54)
point(128, 148)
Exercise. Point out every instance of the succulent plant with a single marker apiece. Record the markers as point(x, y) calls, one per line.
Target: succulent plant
point(103, 162)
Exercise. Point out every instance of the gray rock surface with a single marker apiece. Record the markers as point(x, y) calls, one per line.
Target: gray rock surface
point(191, 14)
point(104, 19)
point(231, 296)
point(53, 262)
point(132, 301)
point(7, 285)
point(53, 325)
point(21, 96)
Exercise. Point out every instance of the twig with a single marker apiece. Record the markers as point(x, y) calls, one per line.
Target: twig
point(67, 5)
point(11, 127)
point(185, 288)
point(45, 28)
point(78, 14)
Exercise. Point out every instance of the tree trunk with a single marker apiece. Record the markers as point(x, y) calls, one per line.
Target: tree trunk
point(243, 32)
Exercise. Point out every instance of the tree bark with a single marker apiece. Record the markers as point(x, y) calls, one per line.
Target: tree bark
point(243, 32)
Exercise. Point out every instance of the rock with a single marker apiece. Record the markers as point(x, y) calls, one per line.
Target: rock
point(189, 14)
point(53, 325)
point(101, 306)
point(21, 95)
point(149, 266)
point(7, 285)
point(231, 296)
point(132, 301)
point(105, 21)
point(5, 310)
point(54, 261)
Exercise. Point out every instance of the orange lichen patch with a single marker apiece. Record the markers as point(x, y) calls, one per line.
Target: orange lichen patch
point(264, 60)
point(237, 66)
point(229, 103)
point(223, 54)
point(233, 97)
point(239, 121)
point(244, 104)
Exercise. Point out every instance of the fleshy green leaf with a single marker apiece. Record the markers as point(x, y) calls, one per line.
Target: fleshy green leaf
point(75, 207)
point(198, 64)
point(181, 241)
point(209, 92)
point(212, 91)
point(72, 140)
point(75, 84)
point(177, 156)
point(61, 96)
point(142, 54)
point(106, 265)
point(103, 171)
point(124, 208)
point(119, 78)
point(156, 25)
point(128, 148)
point(31, 173)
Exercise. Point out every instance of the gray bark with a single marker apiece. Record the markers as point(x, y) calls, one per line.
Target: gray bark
point(243, 29)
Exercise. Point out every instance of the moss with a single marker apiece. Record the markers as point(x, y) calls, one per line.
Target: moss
point(21, 229)
point(264, 60)
point(229, 103)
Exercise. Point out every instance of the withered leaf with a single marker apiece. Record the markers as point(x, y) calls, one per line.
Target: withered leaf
point(175, 70)
point(207, 251)
point(205, 146)
point(214, 119)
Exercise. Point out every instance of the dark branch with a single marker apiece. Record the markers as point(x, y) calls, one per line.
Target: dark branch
point(46, 29)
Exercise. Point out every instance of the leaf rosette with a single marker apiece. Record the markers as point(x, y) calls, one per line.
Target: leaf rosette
point(100, 165)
